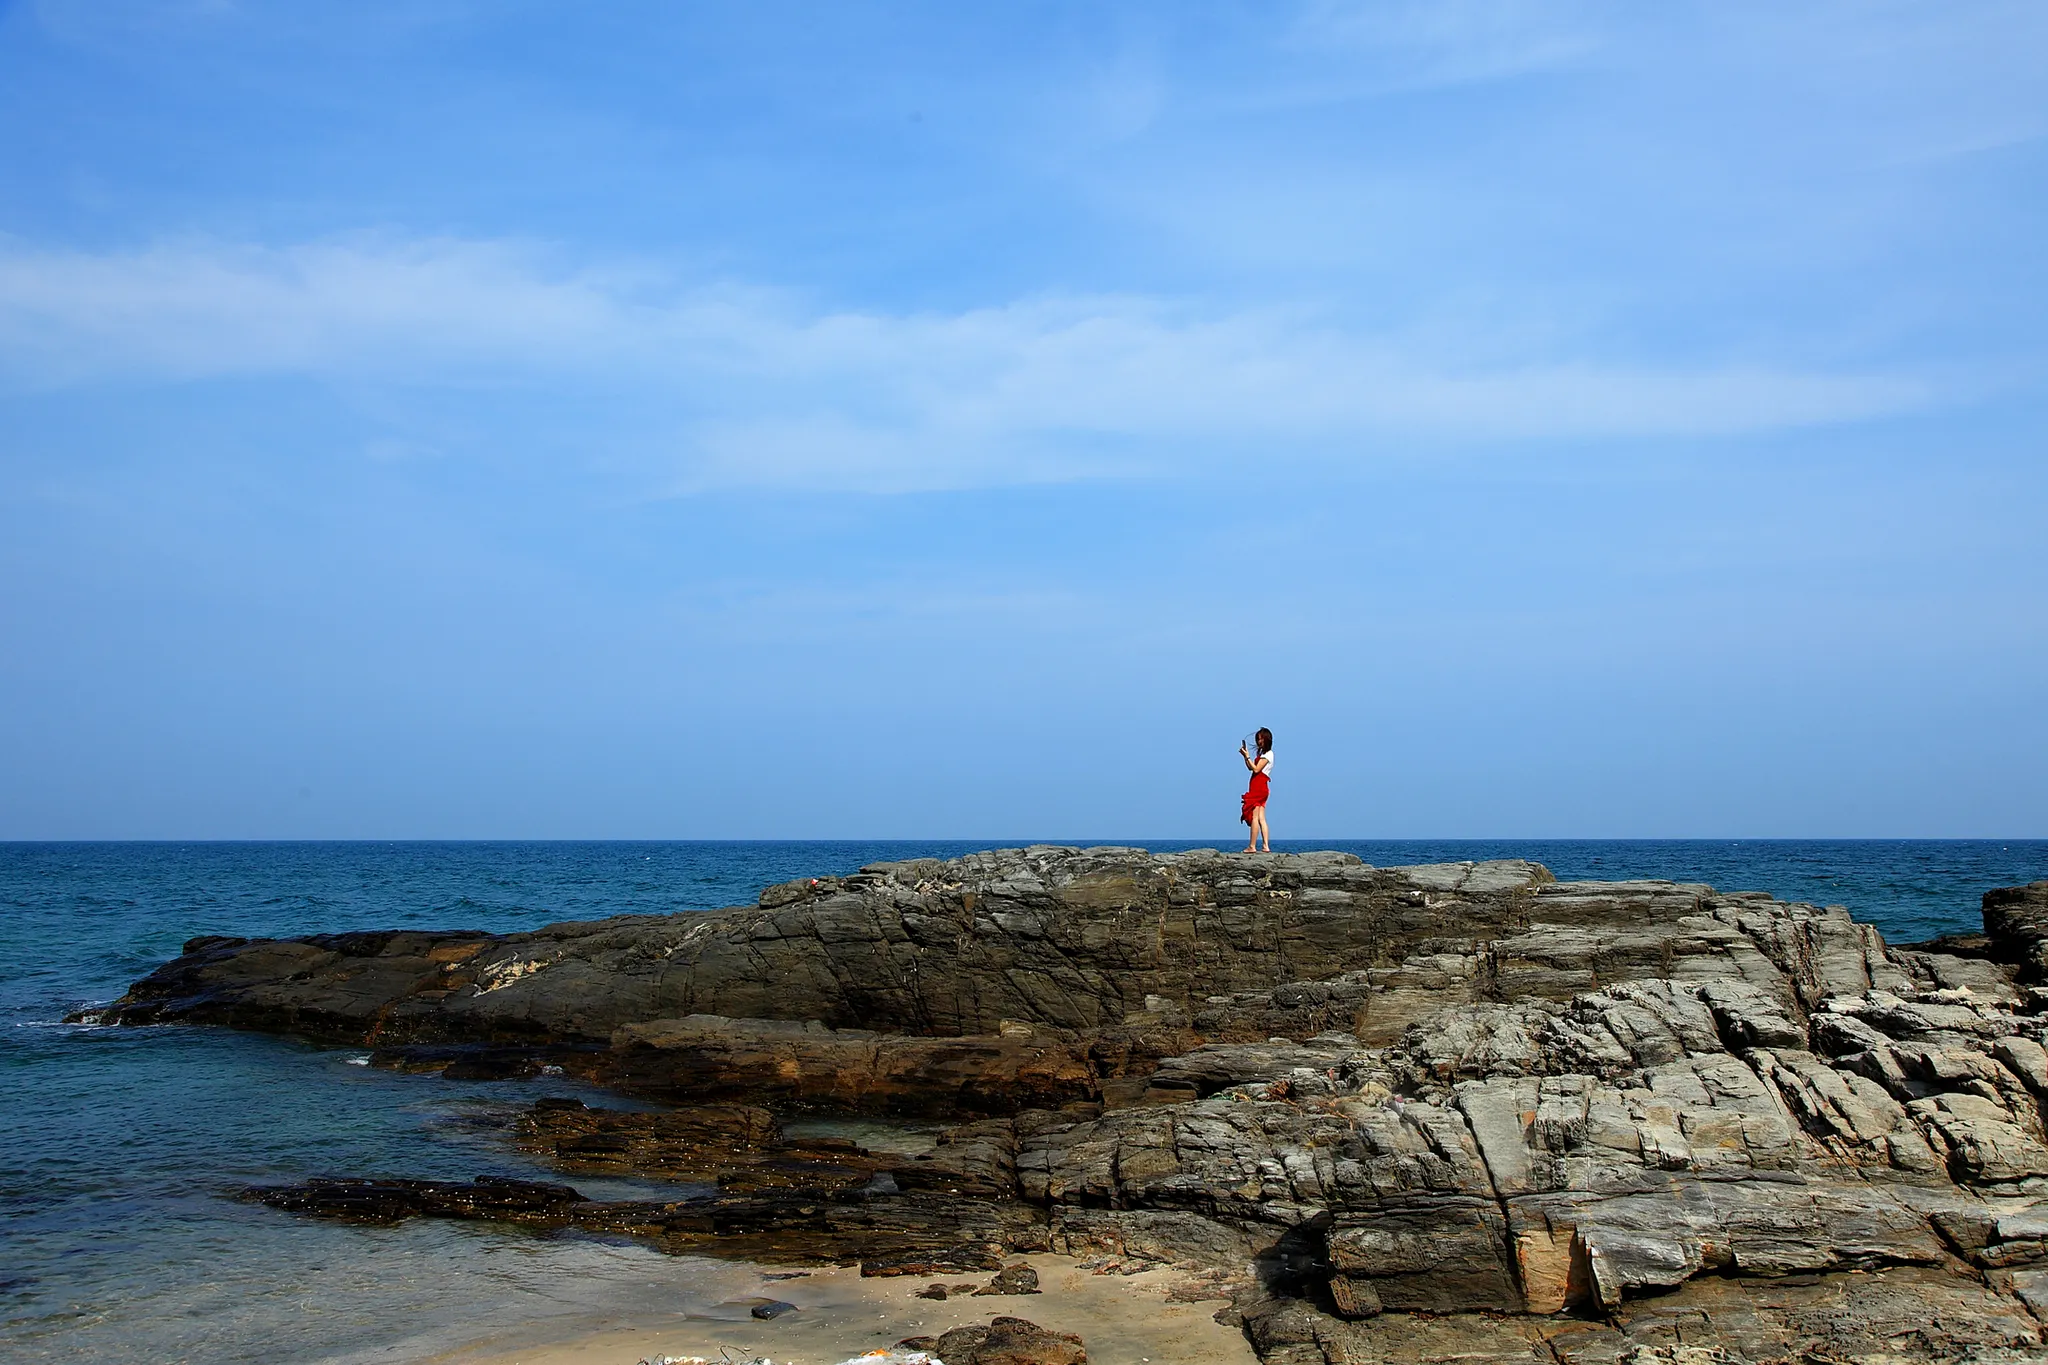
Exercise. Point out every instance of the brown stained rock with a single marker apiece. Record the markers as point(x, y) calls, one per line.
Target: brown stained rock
point(812, 1067)
point(1354, 1299)
point(737, 1147)
point(1011, 1279)
point(957, 1258)
point(901, 1234)
point(1438, 1256)
point(1010, 1341)
point(975, 1159)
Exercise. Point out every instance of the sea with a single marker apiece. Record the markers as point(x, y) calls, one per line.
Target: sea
point(121, 1148)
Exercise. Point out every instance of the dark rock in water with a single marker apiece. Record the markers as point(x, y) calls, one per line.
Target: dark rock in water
point(1418, 1113)
point(390, 1201)
point(483, 1061)
point(895, 1234)
point(775, 1308)
point(1010, 1341)
point(1014, 1279)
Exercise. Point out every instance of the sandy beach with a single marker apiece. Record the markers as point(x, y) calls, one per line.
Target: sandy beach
point(1124, 1320)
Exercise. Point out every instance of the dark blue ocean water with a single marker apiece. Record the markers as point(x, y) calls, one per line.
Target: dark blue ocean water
point(116, 1241)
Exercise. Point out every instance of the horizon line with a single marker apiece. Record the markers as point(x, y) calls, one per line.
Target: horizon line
point(1133, 842)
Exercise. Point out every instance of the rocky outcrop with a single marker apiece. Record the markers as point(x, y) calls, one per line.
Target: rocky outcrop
point(1061, 938)
point(2016, 923)
point(1412, 1113)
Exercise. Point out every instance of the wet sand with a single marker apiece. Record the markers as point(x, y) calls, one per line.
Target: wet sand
point(1124, 1319)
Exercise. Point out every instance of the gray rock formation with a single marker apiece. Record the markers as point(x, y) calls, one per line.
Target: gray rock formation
point(1412, 1113)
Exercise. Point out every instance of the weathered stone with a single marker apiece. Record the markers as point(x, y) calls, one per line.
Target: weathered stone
point(1427, 1113)
point(1438, 1255)
point(809, 1066)
point(392, 1201)
point(1012, 1279)
point(1983, 1142)
point(2016, 922)
point(889, 1235)
point(1010, 1341)
point(737, 1147)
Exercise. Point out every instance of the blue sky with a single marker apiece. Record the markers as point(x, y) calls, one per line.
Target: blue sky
point(530, 420)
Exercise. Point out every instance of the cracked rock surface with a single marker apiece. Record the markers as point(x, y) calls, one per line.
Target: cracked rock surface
point(1458, 1111)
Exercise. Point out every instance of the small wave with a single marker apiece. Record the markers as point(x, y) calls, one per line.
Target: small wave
point(83, 1019)
point(361, 1059)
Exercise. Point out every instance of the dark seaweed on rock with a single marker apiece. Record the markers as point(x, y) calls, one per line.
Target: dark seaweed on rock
point(1409, 1113)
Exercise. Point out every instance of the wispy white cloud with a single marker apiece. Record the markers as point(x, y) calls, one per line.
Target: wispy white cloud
point(756, 388)
point(1420, 43)
point(193, 309)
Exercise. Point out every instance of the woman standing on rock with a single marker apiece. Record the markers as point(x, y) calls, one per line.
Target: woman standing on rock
point(1261, 768)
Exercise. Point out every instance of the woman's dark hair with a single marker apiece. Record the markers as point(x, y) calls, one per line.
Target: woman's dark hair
point(1265, 739)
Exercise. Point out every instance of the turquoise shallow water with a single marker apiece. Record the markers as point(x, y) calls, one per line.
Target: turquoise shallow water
point(116, 1241)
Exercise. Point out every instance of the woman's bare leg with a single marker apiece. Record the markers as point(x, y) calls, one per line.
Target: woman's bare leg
point(1260, 830)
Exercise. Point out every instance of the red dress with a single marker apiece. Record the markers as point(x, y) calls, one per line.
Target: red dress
point(1255, 796)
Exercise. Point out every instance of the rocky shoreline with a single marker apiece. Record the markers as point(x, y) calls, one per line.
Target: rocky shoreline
point(1391, 1113)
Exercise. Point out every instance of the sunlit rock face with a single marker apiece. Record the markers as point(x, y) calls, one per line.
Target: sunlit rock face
point(1397, 1114)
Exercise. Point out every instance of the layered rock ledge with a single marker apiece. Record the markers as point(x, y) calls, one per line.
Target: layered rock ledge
point(1399, 1114)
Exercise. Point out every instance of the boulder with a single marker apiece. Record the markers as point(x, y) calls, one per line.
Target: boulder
point(1010, 1341)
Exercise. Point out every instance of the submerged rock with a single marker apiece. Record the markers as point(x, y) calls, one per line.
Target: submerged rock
point(1415, 1113)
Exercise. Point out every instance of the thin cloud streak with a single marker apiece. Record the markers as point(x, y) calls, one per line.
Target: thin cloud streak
point(764, 391)
point(1407, 45)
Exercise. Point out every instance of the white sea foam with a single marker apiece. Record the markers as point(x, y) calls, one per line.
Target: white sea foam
point(362, 1059)
point(83, 1019)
